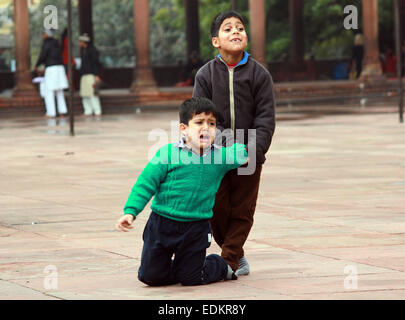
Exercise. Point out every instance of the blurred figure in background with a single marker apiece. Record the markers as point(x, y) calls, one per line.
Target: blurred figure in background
point(190, 70)
point(390, 64)
point(89, 70)
point(64, 44)
point(55, 77)
point(356, 62)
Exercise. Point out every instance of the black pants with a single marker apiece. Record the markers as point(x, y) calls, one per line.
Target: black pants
point(188, 242)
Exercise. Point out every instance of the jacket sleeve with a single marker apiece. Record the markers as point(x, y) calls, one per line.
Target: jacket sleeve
point(43, 54)
point(202, 87)
point(147, 183)
point(95, 59)
point(264, 121)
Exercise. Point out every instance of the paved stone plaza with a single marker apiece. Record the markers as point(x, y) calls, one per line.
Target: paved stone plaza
point(330, 219)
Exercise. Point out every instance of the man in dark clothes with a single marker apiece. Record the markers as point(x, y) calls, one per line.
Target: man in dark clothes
point(89, 70)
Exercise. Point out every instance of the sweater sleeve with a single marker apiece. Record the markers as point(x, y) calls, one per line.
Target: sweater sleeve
point(235, 156)
point(147, 183)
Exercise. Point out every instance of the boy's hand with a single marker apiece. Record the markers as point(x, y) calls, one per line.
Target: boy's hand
point(124, 223)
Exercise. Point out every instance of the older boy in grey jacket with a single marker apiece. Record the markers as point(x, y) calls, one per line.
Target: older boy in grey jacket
point(242, 90)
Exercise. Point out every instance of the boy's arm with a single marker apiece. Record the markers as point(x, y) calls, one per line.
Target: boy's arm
point(201, 87)
point(96, 61)
point(147, 183)
point(234, 156)
point(42, 55)
point(264, 121)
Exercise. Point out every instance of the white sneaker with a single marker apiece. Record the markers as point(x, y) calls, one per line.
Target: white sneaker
point(243, 268)
point(231, 275)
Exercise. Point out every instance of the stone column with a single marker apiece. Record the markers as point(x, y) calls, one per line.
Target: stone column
point(257, 32)
point(297, 31)
point(23, 77)
point(402, 19)
point(192, 27)
point(144, 81)
point(85, 18)
point(371, 63)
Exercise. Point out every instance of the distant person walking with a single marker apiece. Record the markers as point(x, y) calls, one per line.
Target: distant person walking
point(64, 44)
point(89, 70)
point(357, 56)
point(55, 77)
point(3, 65)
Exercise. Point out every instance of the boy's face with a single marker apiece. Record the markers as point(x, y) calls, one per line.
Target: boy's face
point(232, 37)
point(200, 131)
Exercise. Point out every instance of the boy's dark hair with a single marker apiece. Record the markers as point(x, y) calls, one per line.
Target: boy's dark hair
point(194, 106)
point(216, 23)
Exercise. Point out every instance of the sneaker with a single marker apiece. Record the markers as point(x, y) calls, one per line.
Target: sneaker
point(243, 268)
point(231, 275)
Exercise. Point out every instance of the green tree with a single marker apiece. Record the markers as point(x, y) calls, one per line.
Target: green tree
point(278, 30)
point(114, 32)
point(167, 39)
point(171, 21)
point(325, 36)
point(386, 25)
point(113, 28)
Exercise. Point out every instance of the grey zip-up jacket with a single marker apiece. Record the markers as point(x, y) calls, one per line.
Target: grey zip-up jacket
point(244, 96)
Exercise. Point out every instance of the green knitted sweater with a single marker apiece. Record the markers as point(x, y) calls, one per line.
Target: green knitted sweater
point(183, 183)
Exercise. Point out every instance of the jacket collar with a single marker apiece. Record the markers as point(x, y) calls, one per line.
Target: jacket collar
point(242, 62)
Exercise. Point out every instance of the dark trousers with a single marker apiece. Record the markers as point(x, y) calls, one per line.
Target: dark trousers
point(188, 242)
point(235, 204)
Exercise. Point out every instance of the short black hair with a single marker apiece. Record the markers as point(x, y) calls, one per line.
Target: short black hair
point(194, 106)
point(216, 23)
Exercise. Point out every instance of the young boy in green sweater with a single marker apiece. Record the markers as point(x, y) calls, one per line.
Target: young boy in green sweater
point(184, 178)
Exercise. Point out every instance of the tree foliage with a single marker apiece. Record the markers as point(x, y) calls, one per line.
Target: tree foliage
point(325, 36)
point(168, 41)
point(113, 28)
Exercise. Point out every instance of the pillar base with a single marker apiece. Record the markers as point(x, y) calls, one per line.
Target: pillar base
point(144, 82)
point(370, 77)
point(26, 92)
point(142, 89)
point(372, 72)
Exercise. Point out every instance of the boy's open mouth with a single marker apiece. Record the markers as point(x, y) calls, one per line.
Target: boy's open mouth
point(205, 138)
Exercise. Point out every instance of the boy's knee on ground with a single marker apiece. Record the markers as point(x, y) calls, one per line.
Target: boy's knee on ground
point(191, 282)
point(152, 279)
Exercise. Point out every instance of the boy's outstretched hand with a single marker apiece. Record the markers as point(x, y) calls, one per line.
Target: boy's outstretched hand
point(124, 223)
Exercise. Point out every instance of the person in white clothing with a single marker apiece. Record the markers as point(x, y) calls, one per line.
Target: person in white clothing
point(55, 76)
point(89, 70)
